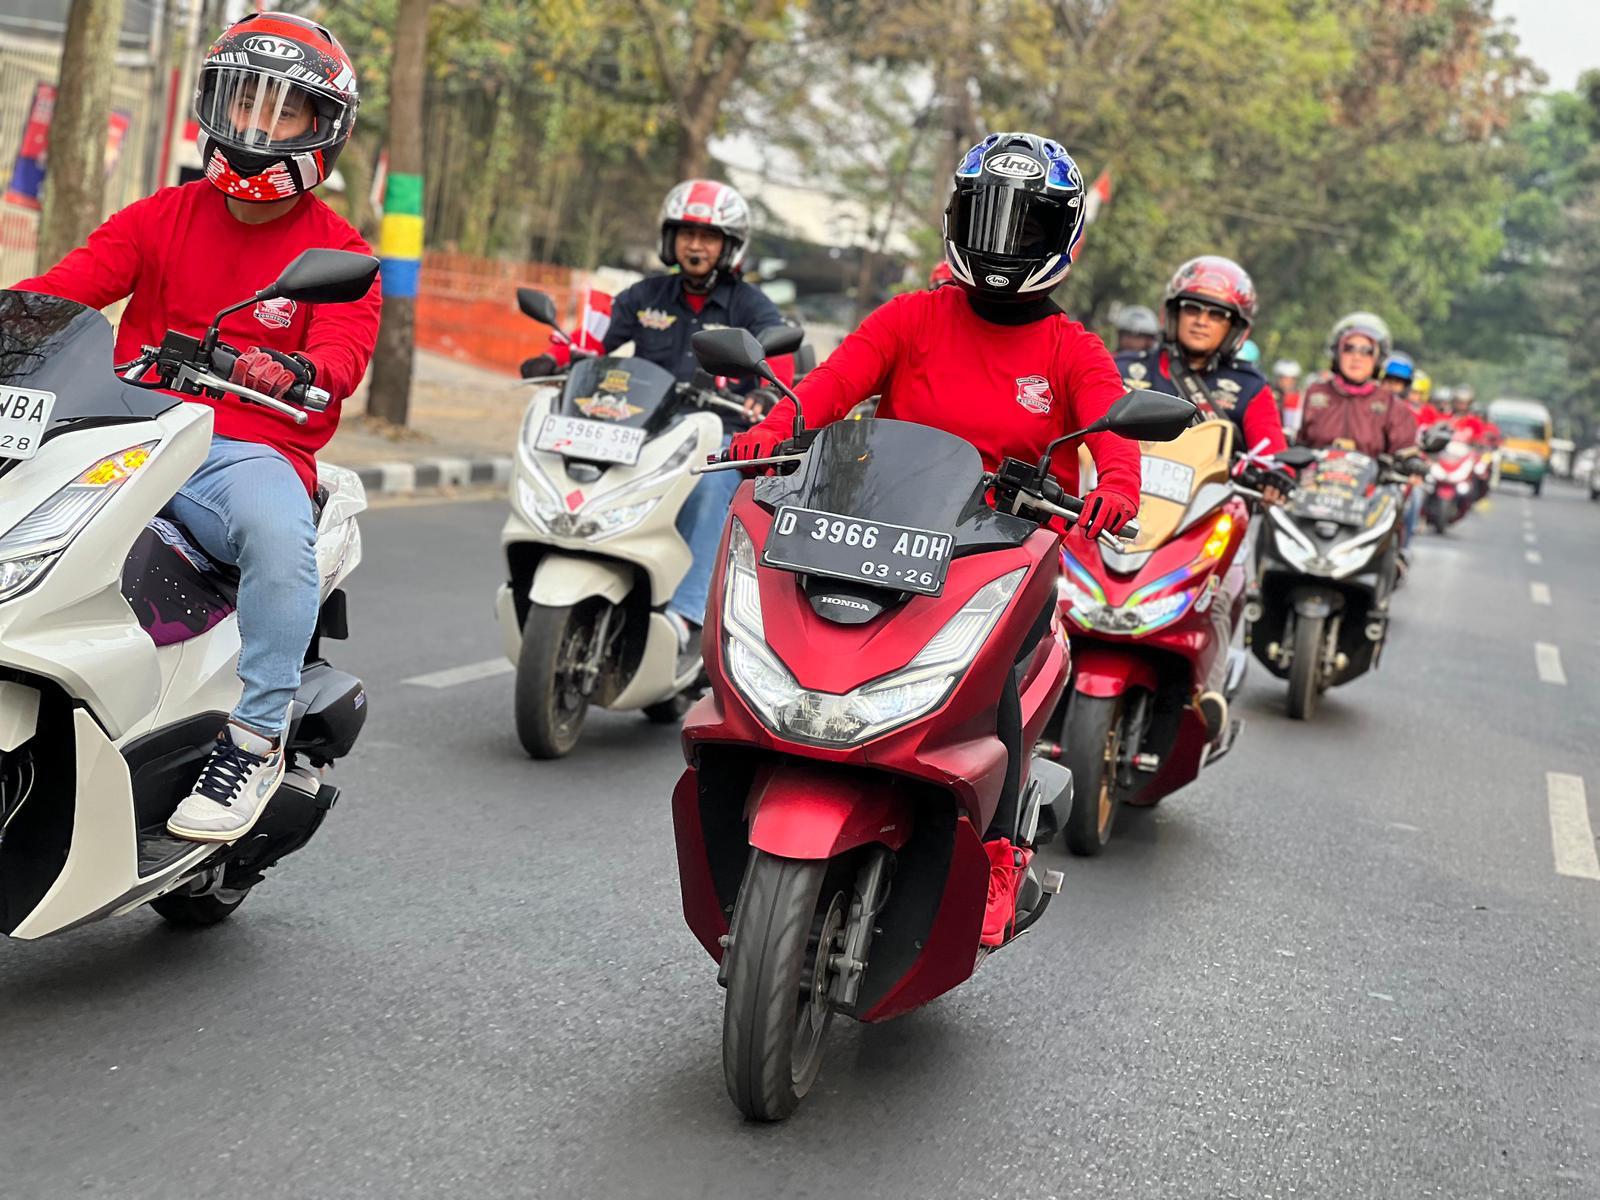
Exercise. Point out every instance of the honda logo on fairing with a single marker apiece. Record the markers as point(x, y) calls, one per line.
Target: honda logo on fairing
point(855, 604)
point(1015, 166)
point(273, 47)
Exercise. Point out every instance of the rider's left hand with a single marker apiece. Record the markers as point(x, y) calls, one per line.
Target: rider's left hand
point(758, 402)
point(1104, 512)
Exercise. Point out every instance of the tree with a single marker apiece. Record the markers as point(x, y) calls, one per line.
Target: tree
point(74, 188)
point(401, 246)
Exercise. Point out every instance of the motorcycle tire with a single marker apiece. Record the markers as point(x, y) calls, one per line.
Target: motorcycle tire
point(773, 1019)
point(1092, 736)
point(198, 912)
point(1304, 667)
point(549, 717)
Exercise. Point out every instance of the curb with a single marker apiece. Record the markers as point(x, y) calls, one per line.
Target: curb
point(428, 474)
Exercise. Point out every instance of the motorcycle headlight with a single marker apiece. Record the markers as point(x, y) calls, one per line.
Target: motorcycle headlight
point(33, 543)
point(540, 504)
point(872, 709)
point(616, 519)
point(1140, 617)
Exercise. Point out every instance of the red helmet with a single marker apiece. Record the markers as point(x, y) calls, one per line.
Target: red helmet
point(713, 205)
point(1215, 280)
point(276, 101)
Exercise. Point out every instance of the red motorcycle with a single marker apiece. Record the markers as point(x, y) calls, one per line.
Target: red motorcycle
point(882, 646)
point(1453, 479)
point(1144, 638)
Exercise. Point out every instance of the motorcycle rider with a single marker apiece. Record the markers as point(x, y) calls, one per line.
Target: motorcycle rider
point(1209, 307)
point(1352, 408)
point(705, 231)
point(1137, 329)
point(1399, 376)
point(993, 360)
point(1286, 387)
point(276, 100)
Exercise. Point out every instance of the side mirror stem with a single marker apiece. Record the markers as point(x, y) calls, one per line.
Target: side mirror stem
point(1044, 459)
point(214, 332)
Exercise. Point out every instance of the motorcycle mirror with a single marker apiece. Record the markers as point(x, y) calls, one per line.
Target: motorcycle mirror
point(1435, 439)
point(1148, 416)
point(781, 339)
point(538, 305)
point(730, 352)
point(1296, 456)
point(324, 277)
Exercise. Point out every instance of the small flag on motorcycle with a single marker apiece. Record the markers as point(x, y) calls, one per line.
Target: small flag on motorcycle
point(1099, 194)
point(595, 322)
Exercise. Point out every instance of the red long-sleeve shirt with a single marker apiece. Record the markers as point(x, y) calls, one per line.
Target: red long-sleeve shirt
point(1007, 389)
point(180, 257)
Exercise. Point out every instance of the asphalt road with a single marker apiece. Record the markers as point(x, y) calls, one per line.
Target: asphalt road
point(1344, 964)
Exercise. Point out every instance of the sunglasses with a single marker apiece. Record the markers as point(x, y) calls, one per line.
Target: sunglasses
point(1363, 351)
point(1194, 308)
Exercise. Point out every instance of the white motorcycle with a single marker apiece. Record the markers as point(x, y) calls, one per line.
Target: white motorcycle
point(118, 644)
point(592, 549)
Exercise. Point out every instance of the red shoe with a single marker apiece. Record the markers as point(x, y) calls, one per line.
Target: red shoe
point(1008, 866)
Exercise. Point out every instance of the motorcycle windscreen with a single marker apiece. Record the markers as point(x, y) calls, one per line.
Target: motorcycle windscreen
point(620, 391)
point(1336, 489)
point(50, 347)
point(877, 501)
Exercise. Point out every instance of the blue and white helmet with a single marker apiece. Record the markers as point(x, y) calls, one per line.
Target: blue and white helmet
point(1015, 219)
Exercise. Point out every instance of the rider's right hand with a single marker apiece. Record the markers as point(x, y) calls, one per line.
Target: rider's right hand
point(266, 371)
point(540, 366)
point(759, 442)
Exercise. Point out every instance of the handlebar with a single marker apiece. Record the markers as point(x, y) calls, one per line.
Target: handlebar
point(305, 395)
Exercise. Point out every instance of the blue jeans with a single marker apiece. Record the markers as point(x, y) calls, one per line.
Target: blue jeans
point(1413, 509)
point(246, 506)
point(700, 521)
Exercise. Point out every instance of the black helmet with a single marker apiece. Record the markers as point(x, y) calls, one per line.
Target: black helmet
point(1015, 218)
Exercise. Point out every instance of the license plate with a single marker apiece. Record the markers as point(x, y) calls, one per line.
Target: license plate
point(901, 557)
point(1165, 479)
point(24, 417)
point(573, 437)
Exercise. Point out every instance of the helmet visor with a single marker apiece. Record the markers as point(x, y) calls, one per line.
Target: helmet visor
point(1010, 222)
point(264, 113)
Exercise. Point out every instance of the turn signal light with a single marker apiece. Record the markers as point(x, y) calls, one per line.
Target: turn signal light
point(116, 468)
point(1217, 543)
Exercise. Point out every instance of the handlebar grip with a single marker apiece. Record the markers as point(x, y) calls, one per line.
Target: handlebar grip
point(1073, 504)
point(1129, 531)
point(307, 396)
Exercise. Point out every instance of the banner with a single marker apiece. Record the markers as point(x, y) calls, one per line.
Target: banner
point(27, 175)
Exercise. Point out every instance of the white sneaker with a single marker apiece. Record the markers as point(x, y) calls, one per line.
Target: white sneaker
point(232, 792)
point(688, 641)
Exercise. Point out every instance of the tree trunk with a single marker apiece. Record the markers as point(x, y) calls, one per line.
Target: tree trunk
point(401, 244)
point(75, 186)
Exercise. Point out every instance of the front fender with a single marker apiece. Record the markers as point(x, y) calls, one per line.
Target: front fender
point(800, 810)
point(1105, 671)
point(562, 580)
point(1315, 602)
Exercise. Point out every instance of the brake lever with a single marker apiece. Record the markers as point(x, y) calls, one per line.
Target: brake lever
point(217, 383)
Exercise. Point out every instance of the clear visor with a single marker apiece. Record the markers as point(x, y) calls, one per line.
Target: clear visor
point(1010, 222)
point(259, 112)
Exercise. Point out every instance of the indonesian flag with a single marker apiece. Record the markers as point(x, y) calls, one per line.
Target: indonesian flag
point(595, 322)
point(1099, 194)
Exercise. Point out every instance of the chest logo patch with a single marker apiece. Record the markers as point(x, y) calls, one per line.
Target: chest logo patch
point(1228, 385)
point(276, 314)
point(1033, 393)
point(655, 318)
point(1137, 370)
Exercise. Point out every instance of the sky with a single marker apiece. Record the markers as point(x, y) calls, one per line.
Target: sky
point(1562, 36)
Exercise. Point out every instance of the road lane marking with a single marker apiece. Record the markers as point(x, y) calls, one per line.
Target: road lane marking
point(1531, 538)
point(1548, 659)
point(1540, 592)
point(1570, 833)
point(1534, 557)
point(470, 673)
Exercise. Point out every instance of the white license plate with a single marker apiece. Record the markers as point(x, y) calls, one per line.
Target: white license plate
point(24, 416)
point(573, 437)
point(1166, 479)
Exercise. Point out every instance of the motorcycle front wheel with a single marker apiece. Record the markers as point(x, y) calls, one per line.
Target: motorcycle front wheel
point(785, 933)
point(550, 702)
point(1305, 667)
point(1093, 740)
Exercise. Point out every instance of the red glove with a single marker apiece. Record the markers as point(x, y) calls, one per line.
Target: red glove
point(269, 372)
point(760, 441)
point(1104, 512)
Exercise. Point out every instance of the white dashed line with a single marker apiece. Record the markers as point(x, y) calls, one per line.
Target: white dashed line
point(1540, 592)
point(1548, 659)
point(470, 673)
point(1570, 833)
point(1531, 538)
point(1534, 557)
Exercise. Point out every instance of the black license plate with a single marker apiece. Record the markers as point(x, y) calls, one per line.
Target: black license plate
point(900, 557)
